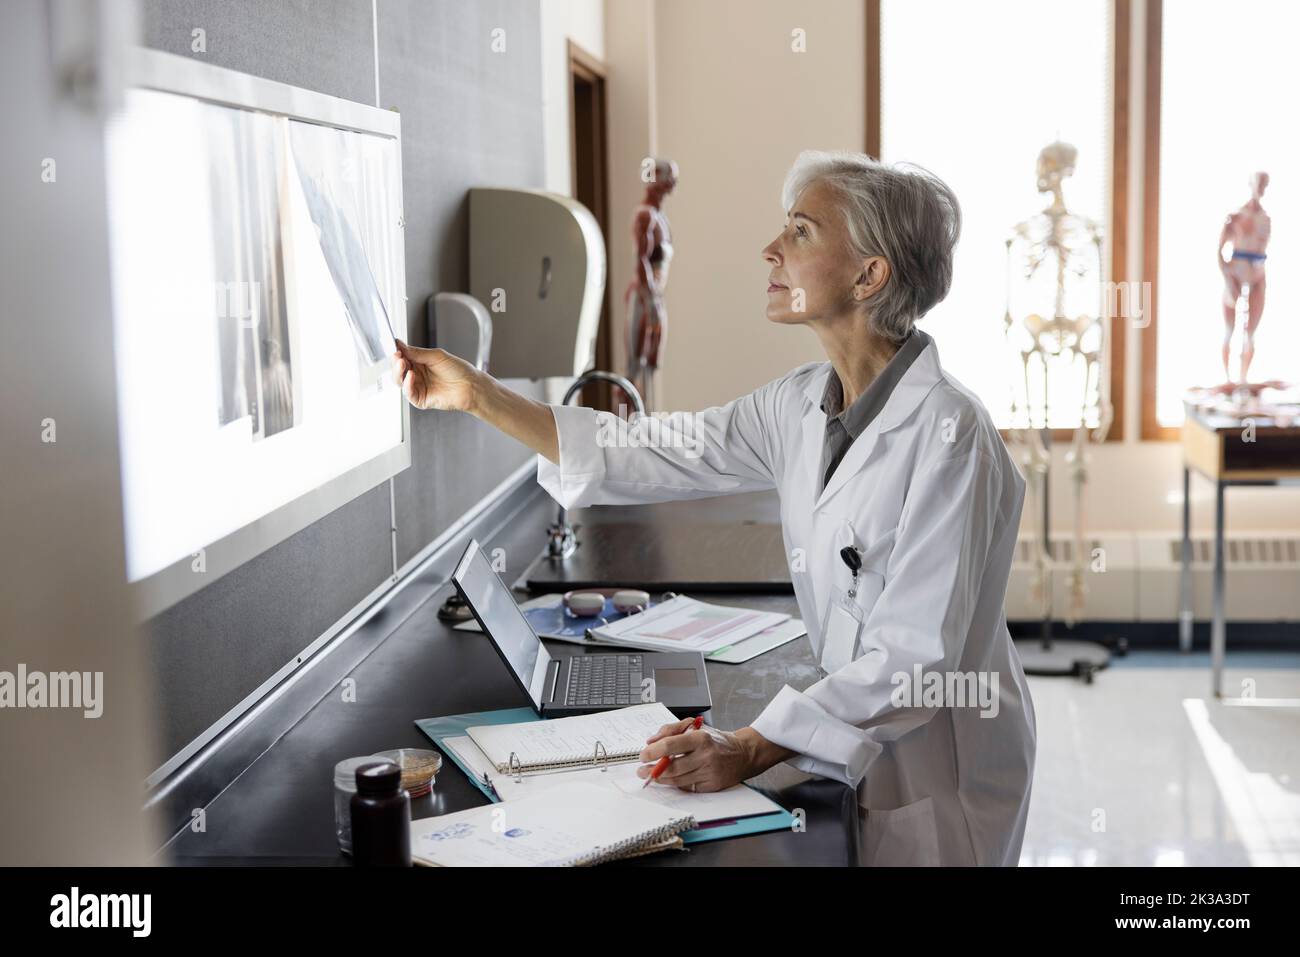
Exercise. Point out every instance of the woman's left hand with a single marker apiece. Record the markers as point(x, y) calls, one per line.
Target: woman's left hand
point(703, 760)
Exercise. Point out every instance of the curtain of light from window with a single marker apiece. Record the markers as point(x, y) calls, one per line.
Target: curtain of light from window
point(973, 92)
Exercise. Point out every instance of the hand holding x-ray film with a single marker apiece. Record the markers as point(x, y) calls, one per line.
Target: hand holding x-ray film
point(434, 378)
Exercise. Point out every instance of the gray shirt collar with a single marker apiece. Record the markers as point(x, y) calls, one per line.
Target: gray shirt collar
point(867, 406)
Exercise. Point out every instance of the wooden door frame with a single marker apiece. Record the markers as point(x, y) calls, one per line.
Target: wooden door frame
point(586, 68)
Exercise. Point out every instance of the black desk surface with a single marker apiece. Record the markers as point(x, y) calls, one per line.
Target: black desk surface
point(699, 558)
point(706, 546)
point(281, 810)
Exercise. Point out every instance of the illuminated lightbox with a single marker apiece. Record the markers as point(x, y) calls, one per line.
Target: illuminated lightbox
point(259, 281)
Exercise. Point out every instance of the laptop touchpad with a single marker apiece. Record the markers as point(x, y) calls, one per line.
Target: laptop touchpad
point(676, 677)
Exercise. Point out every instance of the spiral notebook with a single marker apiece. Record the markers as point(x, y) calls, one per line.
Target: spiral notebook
point(571, 826)
point(585, 740)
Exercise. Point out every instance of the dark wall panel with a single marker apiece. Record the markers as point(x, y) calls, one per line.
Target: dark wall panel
point(468, 117)
point(322, 45)
point(215, 647)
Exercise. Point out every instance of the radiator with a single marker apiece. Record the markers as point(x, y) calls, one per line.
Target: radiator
point(1141, 577)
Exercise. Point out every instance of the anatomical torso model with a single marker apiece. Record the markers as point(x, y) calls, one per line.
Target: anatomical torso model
point(1246, 231)
point(647, 318)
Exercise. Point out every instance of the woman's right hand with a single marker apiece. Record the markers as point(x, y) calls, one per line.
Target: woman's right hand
point(434, 378)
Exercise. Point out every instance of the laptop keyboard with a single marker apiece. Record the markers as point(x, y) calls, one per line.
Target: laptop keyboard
point(604, 680)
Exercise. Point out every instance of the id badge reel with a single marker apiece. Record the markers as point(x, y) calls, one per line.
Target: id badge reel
point(842, 623)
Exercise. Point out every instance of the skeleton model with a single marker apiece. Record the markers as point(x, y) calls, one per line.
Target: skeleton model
point(1055, 326)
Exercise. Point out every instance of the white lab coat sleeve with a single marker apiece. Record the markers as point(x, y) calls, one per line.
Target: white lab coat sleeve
point(607, 460)
point(933, 581)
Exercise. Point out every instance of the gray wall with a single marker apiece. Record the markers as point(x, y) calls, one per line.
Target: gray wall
point(469, 117)
point(72, 787)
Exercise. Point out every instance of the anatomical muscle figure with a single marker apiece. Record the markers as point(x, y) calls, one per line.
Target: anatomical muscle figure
point(1246, 231)
point(647, 318)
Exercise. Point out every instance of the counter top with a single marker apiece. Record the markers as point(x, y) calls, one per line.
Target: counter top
point(281, 809)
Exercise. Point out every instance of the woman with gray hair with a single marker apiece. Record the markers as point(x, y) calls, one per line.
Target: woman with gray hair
point(899, 510)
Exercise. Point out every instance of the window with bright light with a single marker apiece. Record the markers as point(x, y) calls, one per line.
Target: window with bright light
point(973, 92)
point(1229, 73)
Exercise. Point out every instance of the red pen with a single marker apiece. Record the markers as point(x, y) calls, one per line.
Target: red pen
point(662, 764)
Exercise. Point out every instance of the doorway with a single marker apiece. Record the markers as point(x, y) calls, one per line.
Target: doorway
point(588, 147)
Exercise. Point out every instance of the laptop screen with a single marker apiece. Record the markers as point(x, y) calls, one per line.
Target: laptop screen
point(505, 624)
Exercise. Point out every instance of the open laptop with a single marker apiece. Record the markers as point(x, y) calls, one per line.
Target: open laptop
point(581, 683)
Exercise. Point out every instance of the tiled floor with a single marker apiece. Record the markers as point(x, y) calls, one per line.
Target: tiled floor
point(1144, 767)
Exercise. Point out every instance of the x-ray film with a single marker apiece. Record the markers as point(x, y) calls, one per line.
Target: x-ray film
point(344, 252)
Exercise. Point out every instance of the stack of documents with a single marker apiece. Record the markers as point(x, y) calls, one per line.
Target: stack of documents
point(686, 624)
point(738, 638)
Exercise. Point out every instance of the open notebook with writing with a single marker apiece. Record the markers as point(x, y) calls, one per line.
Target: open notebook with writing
point(584, 740)
point(716, 816)
point(574, 825)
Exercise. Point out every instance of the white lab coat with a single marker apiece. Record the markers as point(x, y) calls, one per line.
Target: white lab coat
point(930, 494)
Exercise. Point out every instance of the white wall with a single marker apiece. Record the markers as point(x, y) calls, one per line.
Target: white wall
point(735, 105)
point(630, 52)
point(716, 87)
point(582, 21)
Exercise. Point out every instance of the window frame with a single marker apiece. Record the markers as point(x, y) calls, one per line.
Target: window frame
point(1151, 429)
